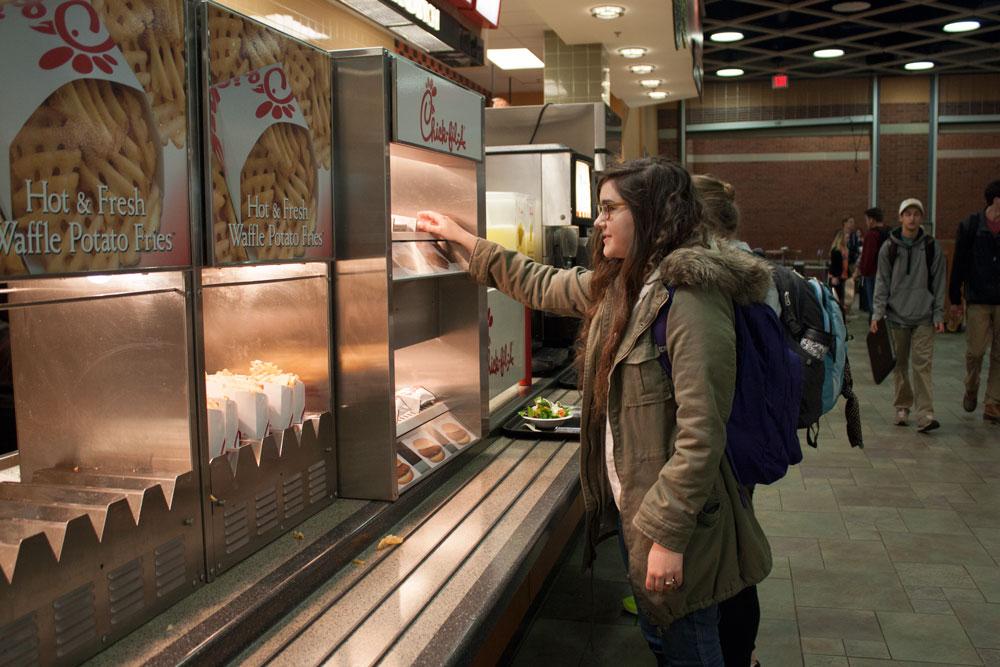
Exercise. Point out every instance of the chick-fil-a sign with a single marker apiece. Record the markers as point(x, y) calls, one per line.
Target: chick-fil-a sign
point(435, 113)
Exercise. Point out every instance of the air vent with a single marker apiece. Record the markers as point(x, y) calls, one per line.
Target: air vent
point(292, 495)
point(170, 567)
point(19, 642)
point(266, 505)
point(125, 591)
point(75, 624)
point(237, 533)
point(317, 482)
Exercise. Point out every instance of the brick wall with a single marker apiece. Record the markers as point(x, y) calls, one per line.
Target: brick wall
point(785, 201)
point(790, 194)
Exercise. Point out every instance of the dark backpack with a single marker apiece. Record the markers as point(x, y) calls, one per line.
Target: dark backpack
point(761, 437)
point(817, 333)
point(928, 256)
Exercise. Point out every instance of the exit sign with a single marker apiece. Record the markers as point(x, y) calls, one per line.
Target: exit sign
point(779, 81)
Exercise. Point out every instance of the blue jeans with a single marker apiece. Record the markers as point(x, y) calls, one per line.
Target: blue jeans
point(868, 294)
point(692, 641)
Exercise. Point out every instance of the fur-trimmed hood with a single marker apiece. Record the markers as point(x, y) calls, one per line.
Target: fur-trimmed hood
point(745, 277)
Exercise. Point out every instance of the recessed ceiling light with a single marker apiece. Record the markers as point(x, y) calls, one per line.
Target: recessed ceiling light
point(730, 71)
point(726, 36)
point(514, 59)
point(632, 52)
point(850, 7)
point(962, 26)
point(641, 69)
point(658, 94)
point(292, 26)
point(828, 53)
point(607, 12)
point(650, 83)
point(918, 65)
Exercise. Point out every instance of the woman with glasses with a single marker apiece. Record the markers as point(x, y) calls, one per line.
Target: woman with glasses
point(652, 445)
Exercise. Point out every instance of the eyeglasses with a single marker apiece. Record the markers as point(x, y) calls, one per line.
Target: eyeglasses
point(607, 209)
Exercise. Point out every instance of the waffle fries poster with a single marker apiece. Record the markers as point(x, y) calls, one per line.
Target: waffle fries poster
point(269, 140)
point(93, 131)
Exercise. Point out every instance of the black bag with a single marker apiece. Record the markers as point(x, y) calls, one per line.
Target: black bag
point(880, 352)
point(802, 317)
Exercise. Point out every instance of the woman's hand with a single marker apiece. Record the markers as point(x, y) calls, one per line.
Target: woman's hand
point(873, 327)
point(664, 569)
point(446, 229)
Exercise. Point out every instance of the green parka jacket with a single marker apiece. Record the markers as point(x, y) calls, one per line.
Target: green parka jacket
point(670, 433)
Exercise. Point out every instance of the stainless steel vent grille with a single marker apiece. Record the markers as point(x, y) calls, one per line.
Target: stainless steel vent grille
point(75, 624)
point(266, 504)
point(19, 643)
point(316, 475)
point(170, 566)
point(236, 529)
point(292, 495)
point(125, 591)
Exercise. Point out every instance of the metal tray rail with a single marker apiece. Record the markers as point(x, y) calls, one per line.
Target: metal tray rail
point(265, 488)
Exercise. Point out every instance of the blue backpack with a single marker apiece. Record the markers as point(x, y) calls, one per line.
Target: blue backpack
point(836, 356)
point(761, 437)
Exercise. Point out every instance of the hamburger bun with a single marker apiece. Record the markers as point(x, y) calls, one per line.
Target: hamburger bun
point(429, 449)
point(455, 433)
point(404, 473)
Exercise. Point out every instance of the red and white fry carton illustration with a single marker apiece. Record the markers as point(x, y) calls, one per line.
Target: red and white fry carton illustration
point(86, 162)
point(241, 110)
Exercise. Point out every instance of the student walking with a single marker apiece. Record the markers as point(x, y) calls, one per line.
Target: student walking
point(839, 270)
point(909, 295)
point(877, 233)
point(976, 273)
point(652, 446)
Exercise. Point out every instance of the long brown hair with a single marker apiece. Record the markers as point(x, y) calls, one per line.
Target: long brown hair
point(667, 213)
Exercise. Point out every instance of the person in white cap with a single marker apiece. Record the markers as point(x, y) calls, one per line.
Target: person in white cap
point(909, 294)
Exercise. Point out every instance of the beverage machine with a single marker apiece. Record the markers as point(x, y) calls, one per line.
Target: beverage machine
point(264, 290)
point(411, 325)
point(561, 183)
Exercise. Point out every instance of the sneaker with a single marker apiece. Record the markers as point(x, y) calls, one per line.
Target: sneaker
point(928, 424)
point(902, 417)
point(969, 402)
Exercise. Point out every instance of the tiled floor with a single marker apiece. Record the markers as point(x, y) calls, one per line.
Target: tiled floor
point(887, 556)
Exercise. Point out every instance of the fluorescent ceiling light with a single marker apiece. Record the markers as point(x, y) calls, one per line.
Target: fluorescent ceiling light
point(729, 71)
point(658, 94)
point(828, 53)
point(651, 83)
point(607, 12)
point(632, 52)
point(291, 25)
point(850, 7)
point(641, 69)
point(514, 59)
point(918, 65)
point(727, 36)
point(962, 26)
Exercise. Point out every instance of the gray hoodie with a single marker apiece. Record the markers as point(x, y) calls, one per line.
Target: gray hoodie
point(901, 292)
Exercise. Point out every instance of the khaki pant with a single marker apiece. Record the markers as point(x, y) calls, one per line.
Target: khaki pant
point(983, 331)
point(914, 344)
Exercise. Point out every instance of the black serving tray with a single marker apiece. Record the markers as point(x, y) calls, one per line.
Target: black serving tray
point(516, 427)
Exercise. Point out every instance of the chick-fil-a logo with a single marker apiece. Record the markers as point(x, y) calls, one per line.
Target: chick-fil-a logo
point(279, 95)
point(77, 24)
point(433, 131)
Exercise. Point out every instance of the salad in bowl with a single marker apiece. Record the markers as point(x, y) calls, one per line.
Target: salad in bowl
point(545, 414)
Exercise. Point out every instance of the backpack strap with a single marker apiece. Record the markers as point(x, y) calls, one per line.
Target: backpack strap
point(852, 409)
point(929, 256)
point(660, 332)
point(893, 253)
